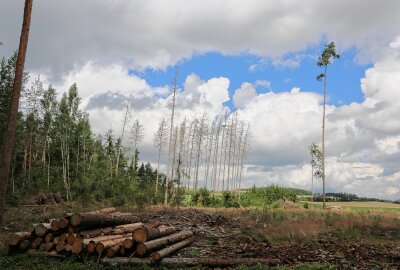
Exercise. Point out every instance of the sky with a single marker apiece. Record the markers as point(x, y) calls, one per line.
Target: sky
point(257, 58)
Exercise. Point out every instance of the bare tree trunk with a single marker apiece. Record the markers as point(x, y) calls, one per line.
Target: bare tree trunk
point(323, 146)
point(8, 145)
point(122, 137)
point(170, 139)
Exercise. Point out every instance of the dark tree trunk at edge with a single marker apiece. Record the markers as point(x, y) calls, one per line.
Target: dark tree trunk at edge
point(8, 145)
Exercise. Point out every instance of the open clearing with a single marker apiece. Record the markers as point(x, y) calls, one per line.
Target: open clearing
point(385, 206)
point(291, 237)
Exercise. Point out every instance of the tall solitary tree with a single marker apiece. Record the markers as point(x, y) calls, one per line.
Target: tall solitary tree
point(8, 144)
point(324, 61)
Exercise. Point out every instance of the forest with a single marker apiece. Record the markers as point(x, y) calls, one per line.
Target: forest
point(56, 150)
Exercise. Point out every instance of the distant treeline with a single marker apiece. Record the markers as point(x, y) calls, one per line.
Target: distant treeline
point(347, 197)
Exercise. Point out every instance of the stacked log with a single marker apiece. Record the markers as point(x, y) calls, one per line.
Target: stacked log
point(103, 233)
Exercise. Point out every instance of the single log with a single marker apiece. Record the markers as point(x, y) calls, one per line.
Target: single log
point(128, 243)
point(36, 242)
point(143, 248)
point(55, 224)
point(107, 210)
point(77, 246)
point(105, 238)
point(103, 245)
point(49, 246)
point(158, 255)
point(101, 220)
point(113, 251)
point(71, 238)
point(216, 262)
point(126, 260)
point(35, 252)
point(63, 223)
point(48, 237)
point(121, 229)
point(16, 238)
point(63, 237)
point(147, 233)
point(24, 244)
point(42, 228)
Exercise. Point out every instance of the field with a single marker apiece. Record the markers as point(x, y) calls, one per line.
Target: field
point(294, 238)
point(363, 206)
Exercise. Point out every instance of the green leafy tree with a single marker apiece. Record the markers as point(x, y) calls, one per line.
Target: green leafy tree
point(324, 61)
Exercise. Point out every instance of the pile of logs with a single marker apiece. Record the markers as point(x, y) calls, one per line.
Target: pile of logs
point(104, 233)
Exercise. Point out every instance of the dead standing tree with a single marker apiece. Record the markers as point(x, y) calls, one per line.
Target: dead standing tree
point(160, 141)
point(126, 114)
point(170, 138)
point(137, 138)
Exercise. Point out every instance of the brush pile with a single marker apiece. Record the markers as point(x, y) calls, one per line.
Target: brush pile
point(104, 233)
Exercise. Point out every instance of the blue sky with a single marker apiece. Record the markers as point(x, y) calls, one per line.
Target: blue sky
point(343, 83)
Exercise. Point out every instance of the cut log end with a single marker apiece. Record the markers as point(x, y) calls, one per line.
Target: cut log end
point(77, 246)
point(91, 247)
point(128, 243)
point(141, 249)
point(140, 235)
point(99, 247)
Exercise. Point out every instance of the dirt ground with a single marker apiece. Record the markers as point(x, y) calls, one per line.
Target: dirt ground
point(287, 237)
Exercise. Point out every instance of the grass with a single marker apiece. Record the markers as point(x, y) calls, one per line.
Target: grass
point(361, 206)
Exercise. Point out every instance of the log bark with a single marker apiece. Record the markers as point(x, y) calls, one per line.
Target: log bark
point(145, 234)
point(42, 228)
point(107, 210)
point(158, 255)
point(143, 248)
point(101, 220)
point(16, 238)
point(55, 224)
point(125, 261)
point(63, 223)
point(105, 238)
point(121, 229)
point(103, 245)
point(113, 251)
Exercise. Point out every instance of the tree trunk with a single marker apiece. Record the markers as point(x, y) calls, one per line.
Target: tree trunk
point(323, 146)
point(143, 248)
point(113, 251)
point(18, 237)
point(8, 145)
point(171, 249)
point(99, 220)
point(147, 233)
point(122, 229)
